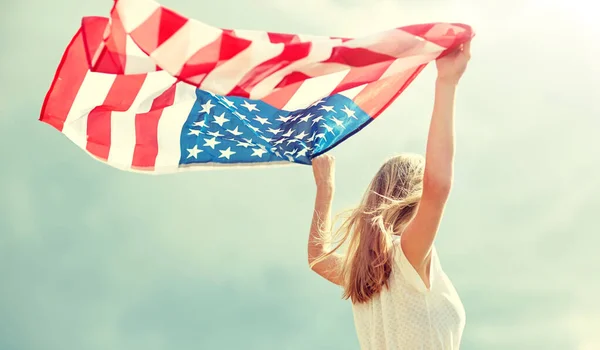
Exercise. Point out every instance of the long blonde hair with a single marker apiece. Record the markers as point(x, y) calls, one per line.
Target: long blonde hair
point(387, 206)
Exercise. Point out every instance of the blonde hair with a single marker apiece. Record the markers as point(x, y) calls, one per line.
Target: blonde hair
point(386, 208)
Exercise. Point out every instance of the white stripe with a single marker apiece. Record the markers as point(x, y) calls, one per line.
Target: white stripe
point(92, 93)
point(182, 45)
point(403, 64)
point(226, 76)
point(319, 52)
point(170, 125)
point(313, 89)
point(137, 61)
point(351, 93)
point(122, 124)
point(135, 12)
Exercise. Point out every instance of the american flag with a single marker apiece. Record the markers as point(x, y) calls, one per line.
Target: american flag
point(150, 90)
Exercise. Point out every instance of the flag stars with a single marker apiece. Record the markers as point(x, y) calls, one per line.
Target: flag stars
point(338, 122)
point(194, 132)
point(220, 119)
point(262, 121)
point(240, 115)
point(250, 106)
point(349, 112)
point(274, 131)
point(327, 108)
point(235, 131)
point(258, 152)
point(301, 135)
point(302, 152)
point(215, 133)
point(317, 119)
point(283, 119)
point(194, 152)
point(226, 153)
point(211, 142)
point(201, 124)
point(255, 129)
point(207, 107)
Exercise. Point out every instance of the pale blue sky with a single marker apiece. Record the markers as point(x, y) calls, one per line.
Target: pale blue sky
point(94, 258)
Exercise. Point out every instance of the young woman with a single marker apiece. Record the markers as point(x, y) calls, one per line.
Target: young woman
point(401, 297)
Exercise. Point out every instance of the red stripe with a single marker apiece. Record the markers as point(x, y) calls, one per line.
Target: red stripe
point(357, 56)
point(157, 29)
point(377, 96)
point(277, 38)
point(70, 74)
point(120, 98)
point(281, 97)
point(289, 55)
point(362, 75)
point(146, 131)
point(195, 70)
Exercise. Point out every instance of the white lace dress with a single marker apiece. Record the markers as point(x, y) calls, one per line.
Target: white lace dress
point(407, 315)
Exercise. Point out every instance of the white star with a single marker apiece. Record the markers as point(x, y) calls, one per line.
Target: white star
point(280, 141)
point(296, 117)
point(308, 116)
point(211, 142)
point(201, 124)
point(194, 152)
point(262, 121)
point(312, 137)
point(207, 107)
point(301, 135)
point(283, 119)
point(215, 133)
point(289, 133)
point(226, 153)
point(349, 112)
point(292, 152)
point(249, 141)
point(258, 152)
point(278, 154)
point(292, 141)
point(338, 122)
point(266, 138)
point(250, 107)
point(243, 144)
point(329, 128)
point(229, 103)
point(321, 135)
point(221, 119)
point(242, 117)
point(257, 130)
point(302, 152)
point(274, 131)
point(194, 132)
point(317, 119)
point(327, 108)
point(316, 103)
point(235, 131)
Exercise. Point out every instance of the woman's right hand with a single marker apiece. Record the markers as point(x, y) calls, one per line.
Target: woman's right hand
point(452, 66)
point(324, 172)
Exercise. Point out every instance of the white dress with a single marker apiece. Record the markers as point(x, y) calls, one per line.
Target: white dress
point(407, 315)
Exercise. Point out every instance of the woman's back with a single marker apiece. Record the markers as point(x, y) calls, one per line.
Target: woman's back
point(408, 315)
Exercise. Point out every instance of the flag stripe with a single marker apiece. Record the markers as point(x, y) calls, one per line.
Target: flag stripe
point(120, 98)
point(146, 128)
point(123, 123)
point(170, 127)
point(66, 84)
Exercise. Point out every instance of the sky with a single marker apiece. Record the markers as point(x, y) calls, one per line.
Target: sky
point(96, 258)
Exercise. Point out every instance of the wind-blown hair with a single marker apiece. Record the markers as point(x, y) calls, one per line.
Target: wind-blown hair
point(386, 208)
